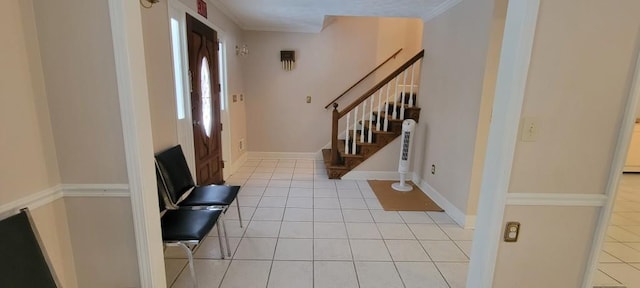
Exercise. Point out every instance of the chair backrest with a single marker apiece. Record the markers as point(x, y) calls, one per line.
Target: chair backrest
point(162, 192)
point(175, 173)
point(24, 262)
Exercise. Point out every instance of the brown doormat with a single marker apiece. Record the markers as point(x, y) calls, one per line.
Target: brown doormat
point(392, 200)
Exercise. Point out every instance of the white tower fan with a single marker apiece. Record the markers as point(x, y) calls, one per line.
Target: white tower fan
point(408, 127)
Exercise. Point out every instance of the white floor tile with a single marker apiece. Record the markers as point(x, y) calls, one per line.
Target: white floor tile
point(363, 231)
point(300, 184)
point(622, 252)
point(465, 246)
point(209, 273)
point(210, 248)
point(291, 274)
point(251, 191)
point(441, 218)
point(369, 250)
point(299, 202)
point(276, 191)
point(443, 251)
point(334, 274)
point(256, 249)
point(236, 276)
point(428, 232)
point(601, 279)
point(353, 203)
point(373, 203)
point(324, 184)
point(406, 250)
point(454, 273)
point(279, 183)
point(267, 214)
point(411, 217)
point(623, 273)
point(245, 212)
point(420, 275)
point(298, 214)
point(172, 268)
point(351, 215)
point(263, 229)
point(349, 194)
point(331, 249)
point(378, 275)
point(301, 192)
point(325, 193)
point(329, 230)
point(327, 215)
point(395, 231)
point(294, 249)
point(249, 201)
point(326, 203)
point(296, 230)
point(381, 216)
point(346, 184)
point(456, 233)
point(268, 201)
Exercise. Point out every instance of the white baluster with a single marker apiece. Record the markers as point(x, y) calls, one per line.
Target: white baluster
point(379, 103)
point(395, 101)
point(364, 111)
point(413, 70)
point(404, 91)
point(346, 133)
point(386, 109)
point(371, 118)
point(355, 126)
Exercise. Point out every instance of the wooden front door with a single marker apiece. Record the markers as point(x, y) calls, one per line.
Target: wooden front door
point(205, 101)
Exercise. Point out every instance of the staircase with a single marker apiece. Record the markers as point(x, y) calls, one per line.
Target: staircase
point(376, 119)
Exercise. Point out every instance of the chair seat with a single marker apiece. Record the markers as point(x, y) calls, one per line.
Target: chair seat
point(210, 195)
point(181, 225)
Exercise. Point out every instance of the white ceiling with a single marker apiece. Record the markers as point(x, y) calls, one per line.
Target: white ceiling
point(309, 15)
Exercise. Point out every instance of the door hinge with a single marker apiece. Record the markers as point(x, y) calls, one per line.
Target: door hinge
point(222, 164)
point(220, 126)
point(219, 88)
point(190, 81)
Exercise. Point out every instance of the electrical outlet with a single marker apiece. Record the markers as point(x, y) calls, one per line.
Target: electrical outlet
point(433, 169)
point(241, 97)
point(235, 98)
point(241, 144)
point(511, 231)
point(308, 99)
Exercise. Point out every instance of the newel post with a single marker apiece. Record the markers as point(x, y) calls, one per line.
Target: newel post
point(334, 135)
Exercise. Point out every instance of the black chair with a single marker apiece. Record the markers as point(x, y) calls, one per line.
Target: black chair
point(186, 229)
point(181, 189)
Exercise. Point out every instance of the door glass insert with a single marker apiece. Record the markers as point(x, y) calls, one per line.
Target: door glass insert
point(205, 88)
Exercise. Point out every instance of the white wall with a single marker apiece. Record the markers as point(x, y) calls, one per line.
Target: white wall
point(451, 89)
point(578, 84)
point(327, 63)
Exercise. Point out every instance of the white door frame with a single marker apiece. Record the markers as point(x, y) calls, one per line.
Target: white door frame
point(184, 127)
point(615, 173)
point(517, 43)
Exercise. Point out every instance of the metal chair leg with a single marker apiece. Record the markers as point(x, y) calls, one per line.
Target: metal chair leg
point(226, 237)
point(191, 267)
point(220, 241)
point(239, 216)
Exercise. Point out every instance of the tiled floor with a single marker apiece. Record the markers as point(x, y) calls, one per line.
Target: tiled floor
point(620, 258)
point(302, 230)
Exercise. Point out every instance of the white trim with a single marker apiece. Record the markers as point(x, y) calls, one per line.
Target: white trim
point(444, 7)
point(223, 8)
point(34, 200)
point(617, 166)
point(556, 199)
point(96, 190)
point(285, 155)
point(519, 34)
point(456, 214)
point(373, 175)
point(133, 96)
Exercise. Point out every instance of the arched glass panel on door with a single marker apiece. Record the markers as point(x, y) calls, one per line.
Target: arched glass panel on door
point(205, 87)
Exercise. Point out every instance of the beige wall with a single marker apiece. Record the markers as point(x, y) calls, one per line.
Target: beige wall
point(28, 160)
point(552, 247)
point(103, 242)
point(578, 84)
point(486, 104)
point(327, 63)
point(79, 69)
point(456, 45)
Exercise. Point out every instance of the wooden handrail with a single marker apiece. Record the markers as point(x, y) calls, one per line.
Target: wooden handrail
point(365, 77)
point(381, 84)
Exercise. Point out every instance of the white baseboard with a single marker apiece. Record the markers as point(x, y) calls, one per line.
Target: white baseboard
point(285, 155)
point(374, 175)
point(238, 163)
point(465, 221)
